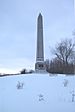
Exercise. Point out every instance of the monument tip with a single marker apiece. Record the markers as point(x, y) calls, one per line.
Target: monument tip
point(40, 14)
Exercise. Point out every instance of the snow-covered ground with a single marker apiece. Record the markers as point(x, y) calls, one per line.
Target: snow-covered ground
point(37, 93)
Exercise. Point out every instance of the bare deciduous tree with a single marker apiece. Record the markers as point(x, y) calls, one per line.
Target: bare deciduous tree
point(64, 51)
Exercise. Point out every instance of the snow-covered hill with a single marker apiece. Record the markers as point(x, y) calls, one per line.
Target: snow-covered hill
point(37, 93)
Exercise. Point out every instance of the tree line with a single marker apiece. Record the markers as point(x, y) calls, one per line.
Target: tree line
point(64, 58)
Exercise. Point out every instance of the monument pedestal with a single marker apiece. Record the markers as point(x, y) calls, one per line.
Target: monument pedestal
point(40, 67)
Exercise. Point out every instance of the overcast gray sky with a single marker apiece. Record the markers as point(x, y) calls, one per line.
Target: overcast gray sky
point(18, 29)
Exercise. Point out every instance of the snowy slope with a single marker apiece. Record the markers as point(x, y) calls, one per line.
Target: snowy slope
point(40, 93)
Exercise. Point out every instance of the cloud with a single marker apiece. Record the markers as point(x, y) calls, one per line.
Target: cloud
point(15, 65)
point(18, 23)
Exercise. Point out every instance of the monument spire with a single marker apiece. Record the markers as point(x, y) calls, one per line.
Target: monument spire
point(40, 51)
point(40, 64)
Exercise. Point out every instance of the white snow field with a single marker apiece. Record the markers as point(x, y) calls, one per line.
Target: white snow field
point(37, 93)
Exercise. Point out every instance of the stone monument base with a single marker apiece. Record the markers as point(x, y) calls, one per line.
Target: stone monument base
point(40, 67)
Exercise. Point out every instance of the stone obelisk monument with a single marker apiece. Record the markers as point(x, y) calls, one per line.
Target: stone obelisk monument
point(40, 64)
